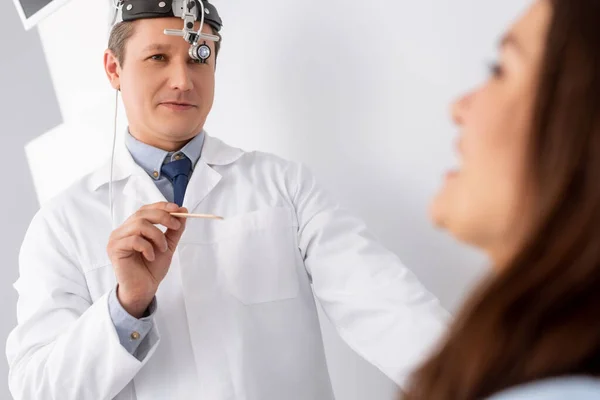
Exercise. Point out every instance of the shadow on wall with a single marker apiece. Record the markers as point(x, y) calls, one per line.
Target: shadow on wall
point(29, 108)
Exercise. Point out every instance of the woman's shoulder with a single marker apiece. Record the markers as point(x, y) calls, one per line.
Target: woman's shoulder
point(576, 387)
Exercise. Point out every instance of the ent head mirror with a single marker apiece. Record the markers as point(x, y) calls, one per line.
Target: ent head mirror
point(33, 11)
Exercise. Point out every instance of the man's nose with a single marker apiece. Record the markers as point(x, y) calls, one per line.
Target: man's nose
point(180, 76)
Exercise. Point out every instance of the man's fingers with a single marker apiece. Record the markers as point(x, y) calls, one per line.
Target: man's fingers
point(155, 216)
point(162, 205)
point(172, 236)
point(145, 229)
point(128, 245)
point(140, 230)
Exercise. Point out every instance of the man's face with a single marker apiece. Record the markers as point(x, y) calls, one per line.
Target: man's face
point(167, 95)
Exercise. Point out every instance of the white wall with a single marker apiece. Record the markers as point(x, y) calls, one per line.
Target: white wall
point(359, 91)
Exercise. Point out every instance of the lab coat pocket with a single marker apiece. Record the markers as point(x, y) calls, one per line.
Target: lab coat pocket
point(255, 254)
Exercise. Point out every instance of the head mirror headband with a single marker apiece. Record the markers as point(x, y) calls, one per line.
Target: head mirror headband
point(188, 10)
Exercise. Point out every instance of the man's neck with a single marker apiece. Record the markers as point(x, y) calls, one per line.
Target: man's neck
point(163, 144)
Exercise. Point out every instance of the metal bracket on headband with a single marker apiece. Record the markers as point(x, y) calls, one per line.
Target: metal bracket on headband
point(189, 10)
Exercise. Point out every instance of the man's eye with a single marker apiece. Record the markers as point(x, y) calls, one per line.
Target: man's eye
point(158, 57)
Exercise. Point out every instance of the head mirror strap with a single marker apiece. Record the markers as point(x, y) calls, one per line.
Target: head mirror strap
point(131, 10)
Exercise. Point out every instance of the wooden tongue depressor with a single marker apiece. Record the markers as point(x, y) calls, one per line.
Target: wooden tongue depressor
point(202, 216)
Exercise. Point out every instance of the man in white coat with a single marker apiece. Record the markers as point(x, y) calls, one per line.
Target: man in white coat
point(142, 305)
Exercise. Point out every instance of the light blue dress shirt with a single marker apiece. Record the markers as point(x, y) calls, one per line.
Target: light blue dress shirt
point(563, 388)
point(132, 331)
point(152, 159)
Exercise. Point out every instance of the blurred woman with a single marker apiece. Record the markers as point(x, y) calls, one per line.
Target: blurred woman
point(528, 194)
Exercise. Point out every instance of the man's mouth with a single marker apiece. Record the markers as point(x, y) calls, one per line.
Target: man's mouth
point(178, 106)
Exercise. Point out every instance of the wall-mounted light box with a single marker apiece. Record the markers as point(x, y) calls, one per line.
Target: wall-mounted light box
point(33, 11)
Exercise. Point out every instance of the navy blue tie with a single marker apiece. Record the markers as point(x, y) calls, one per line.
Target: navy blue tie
point(178, 173)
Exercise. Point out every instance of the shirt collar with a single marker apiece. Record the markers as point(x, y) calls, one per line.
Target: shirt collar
point(193, 149)
point(214, 153)
point(151, 159)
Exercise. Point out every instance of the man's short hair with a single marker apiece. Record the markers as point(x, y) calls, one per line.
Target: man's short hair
point(123, 31)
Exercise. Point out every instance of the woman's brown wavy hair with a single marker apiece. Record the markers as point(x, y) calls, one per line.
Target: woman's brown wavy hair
point(540, 316)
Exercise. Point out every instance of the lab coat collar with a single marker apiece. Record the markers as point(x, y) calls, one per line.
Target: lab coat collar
point(214, 152)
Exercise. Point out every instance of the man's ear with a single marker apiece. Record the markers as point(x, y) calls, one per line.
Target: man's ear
point(112, 69)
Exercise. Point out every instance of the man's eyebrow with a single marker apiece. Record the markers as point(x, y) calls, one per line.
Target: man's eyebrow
point(157, 47)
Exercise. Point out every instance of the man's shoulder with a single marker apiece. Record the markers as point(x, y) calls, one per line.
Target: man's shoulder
point(263, 158)
point(72, 197)
point(218, 152)
point(250, 161)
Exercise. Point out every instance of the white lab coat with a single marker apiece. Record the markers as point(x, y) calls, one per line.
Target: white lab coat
point(236, 316)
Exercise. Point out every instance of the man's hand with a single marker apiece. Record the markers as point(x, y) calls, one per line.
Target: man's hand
point(141, 254)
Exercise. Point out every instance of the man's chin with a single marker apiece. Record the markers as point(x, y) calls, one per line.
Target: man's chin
point(180, 131)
